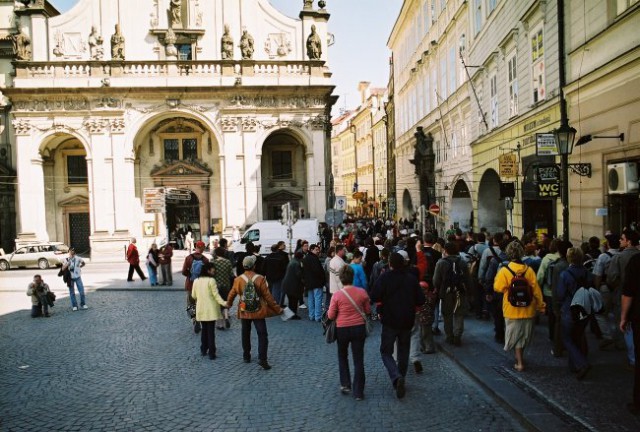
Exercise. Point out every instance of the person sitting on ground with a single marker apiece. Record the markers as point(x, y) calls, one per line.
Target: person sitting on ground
point(38, 291)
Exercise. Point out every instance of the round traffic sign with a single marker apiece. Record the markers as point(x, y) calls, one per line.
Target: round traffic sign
point(434, 209)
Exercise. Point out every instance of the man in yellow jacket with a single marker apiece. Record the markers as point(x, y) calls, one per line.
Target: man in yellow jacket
point(268, 308)
point(519, 319)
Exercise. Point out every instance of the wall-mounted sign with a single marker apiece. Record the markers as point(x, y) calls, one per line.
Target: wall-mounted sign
point(341, 203)
point(546, 144)
point(548, 190)
point(547, 173)
point(508, 164)
point(154, 200)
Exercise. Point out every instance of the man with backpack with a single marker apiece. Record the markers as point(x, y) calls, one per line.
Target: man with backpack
point(543, 276)
point(452, 280)
point(601, 283)
point(616, 280)
point(475, 251)
point(191, 269)
point(256, 304)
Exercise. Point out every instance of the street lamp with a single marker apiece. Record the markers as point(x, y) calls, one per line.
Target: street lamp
point(565, 136)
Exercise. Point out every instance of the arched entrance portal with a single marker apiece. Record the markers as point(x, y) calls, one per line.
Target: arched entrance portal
point(491, 210)
point(407, 205)
point(461, 206)
point(184, 216)
point(283, 175)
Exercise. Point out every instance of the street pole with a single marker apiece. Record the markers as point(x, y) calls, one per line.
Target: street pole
point(564, 122)
point(564, 168)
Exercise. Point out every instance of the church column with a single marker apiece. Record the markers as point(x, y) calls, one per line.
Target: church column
point(310, 187)
point(236, 181)
point(120, 181)
point(252, 170)
point(223, 192)
point(100, 181)
point(31, 197)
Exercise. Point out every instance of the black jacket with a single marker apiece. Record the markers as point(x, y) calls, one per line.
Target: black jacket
point(312, 272)
point(400, 293)
point(275, 266)
point(292, 284)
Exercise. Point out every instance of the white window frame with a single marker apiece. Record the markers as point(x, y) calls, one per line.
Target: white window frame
point(512, 84)
point(538, 80)
point(493, 101)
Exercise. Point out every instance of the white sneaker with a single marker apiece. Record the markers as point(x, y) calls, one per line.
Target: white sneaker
point(85, 307)
point(75, 308)
point(302, 306)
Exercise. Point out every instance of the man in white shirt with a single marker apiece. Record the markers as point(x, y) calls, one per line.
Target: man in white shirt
point(74, 265)
point(336, 263)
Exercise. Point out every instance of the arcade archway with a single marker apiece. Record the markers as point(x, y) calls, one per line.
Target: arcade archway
point(491, 210)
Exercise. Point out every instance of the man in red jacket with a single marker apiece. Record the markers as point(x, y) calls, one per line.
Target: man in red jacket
point(134, 261)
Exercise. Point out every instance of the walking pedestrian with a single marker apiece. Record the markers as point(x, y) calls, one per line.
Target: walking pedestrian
point(188, 242)
point(224, 279)
point(166, 253)
point(519, 320)
point(314, 278)
point(630, 317)
point(133, 257)
point(191, 269)
point(400, 294)
point(350, 330)
point(153, 261)
point(268, 308)
point(292, 284)
point(208, 302)
point(275, 269)
point(74, 264)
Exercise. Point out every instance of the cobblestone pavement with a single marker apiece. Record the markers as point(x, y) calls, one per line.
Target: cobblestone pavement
point(132, 362)
point(596, 403)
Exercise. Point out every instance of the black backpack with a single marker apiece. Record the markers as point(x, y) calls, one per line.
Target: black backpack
point(454, 280)
point(520, 292)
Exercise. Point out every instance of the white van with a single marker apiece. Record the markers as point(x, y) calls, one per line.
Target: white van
point(270, 232)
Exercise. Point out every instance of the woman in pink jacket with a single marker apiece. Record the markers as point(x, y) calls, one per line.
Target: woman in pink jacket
point(350, 330)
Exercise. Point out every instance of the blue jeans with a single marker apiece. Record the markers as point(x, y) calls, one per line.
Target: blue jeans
point(72, 293)
point(388, 340)
point(628, 340)
point(276, 292)
point(153, 274)
point(314, 303)
point(354, 335)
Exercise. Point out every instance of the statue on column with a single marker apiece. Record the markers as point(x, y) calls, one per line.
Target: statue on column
point(117, 45)
point(226, 43)
point(175, 11)
point(308, 4)
point(96, 51)
point(21, 45)
point(246, 46)
point(314, 45)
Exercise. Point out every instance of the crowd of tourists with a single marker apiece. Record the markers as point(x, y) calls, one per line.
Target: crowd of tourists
point(411, 282)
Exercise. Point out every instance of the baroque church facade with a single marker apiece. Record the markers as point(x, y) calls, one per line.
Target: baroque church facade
point(171, 114)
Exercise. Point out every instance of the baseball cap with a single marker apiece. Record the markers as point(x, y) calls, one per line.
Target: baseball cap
point(248, 262)
point(199, 244)
point(404, 255)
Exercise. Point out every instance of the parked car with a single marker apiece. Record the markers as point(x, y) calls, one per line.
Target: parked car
point(41, 255)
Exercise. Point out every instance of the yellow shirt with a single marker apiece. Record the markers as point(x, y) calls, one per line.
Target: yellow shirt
point(501, 284)
point(208, 299)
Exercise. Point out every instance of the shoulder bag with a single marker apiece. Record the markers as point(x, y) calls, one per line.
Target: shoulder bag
point(368, 327)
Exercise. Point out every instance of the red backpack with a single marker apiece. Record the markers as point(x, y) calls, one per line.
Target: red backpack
point(520, 291)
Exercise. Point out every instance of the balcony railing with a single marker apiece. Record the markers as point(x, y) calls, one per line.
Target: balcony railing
point(29, 74)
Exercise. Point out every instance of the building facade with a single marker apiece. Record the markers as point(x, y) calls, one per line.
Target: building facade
point(428, 41)
point(170, 115)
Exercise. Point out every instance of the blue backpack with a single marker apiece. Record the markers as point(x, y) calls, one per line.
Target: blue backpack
point(196, 268)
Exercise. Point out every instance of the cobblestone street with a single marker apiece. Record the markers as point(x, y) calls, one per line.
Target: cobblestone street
point(132, 362)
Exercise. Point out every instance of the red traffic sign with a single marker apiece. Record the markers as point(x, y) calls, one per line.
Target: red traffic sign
point(434, 209)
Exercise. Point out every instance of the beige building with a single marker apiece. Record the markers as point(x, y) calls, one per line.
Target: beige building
point(431, 93)
point(379, 136)
point(138, 121)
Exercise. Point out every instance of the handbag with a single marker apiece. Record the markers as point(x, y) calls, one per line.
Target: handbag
point(368, 327)
point(329, 328)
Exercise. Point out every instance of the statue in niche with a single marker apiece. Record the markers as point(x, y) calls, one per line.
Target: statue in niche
point(226, 44)
point(314, 45)
point(308, 4)
point(21, 45)
point(96, 51)
point(117, 45)
point(175, 12)
point(170, 40)
point(246, 46)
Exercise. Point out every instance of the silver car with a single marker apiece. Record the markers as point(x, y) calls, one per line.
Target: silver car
point(41, 255)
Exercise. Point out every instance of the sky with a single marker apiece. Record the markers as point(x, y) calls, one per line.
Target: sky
point(360, 53)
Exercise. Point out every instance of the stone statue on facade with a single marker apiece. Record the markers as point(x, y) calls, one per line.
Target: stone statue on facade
point(226, 44)
point(21, 45)
point(175, 12)
point(117, 45)
point(308, 4)
point(423, 151)
point(96, 51)
point(314, 45)
point(246, 46)
point(170, 40)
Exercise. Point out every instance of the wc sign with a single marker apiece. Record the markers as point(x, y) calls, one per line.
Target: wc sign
point(548, 181)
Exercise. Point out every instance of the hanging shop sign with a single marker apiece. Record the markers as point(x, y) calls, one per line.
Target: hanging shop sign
point(508, 164)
